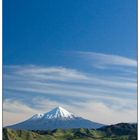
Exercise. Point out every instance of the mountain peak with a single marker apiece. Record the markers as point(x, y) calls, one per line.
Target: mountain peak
point(59, 108)
point(58, 112)
point(55, 113)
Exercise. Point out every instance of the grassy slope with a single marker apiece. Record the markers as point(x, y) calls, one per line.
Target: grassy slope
point(59, 134)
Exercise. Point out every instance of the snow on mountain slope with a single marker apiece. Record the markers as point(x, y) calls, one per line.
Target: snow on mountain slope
point(56, 118)
point(56, 113)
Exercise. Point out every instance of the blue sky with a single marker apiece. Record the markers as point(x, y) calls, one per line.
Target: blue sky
point(80, 54)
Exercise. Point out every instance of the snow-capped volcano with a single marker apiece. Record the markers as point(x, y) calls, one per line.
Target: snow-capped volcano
point(56, 113)
point(56, 118)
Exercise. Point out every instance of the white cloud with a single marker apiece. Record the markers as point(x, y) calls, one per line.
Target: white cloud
point(15, 111)
point(45, 76)
point(45, 73)
point(102, 60)
point(100, 112)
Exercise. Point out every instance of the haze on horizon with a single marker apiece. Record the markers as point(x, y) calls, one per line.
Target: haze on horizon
point(81, 55)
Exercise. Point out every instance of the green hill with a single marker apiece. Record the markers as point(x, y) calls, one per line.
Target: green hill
point(121, 131)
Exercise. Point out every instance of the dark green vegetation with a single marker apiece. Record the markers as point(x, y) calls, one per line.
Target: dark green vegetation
point(122, 131)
